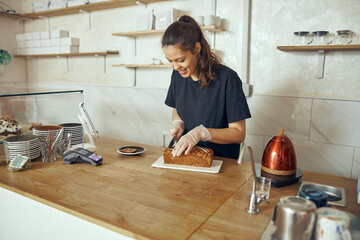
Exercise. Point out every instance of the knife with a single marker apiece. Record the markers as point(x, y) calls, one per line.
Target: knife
point(172, 142)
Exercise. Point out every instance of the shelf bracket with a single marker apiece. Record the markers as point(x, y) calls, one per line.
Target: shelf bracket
point(321, 61)
point(89, 17)
point(66, 63)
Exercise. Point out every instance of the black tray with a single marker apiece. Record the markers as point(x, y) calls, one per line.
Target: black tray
point(277, 181)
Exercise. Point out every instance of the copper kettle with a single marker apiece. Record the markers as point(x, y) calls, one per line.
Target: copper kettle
point(279, 156)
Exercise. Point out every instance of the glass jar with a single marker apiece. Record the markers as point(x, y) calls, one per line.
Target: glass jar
point(343, 37)
point(323, 38)
point(303, 38)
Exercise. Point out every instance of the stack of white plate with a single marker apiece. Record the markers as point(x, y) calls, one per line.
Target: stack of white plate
point(77, 131)
point(25, 145)
point(47, 131)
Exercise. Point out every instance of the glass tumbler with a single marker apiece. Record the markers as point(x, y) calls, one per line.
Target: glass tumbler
point(262, 189)
point(303, 38)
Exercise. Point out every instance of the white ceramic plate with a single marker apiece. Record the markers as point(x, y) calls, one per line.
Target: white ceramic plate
point(214, 168)
point(139, 150)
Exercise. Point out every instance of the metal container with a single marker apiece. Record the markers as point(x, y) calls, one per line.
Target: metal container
point(279, 156)
point(294, 218)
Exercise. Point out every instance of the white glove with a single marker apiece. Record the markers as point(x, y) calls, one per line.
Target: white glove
point(177, 129)
point(189, 140)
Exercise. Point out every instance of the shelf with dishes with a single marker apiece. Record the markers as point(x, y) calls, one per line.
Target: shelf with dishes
point(10, 15)
point(143, 65)
point(321, 49)
point(67, 55)
point(210, 28)
point(310, 48)
point(86, 8)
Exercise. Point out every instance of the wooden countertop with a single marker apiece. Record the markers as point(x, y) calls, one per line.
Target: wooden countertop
point(127, 195)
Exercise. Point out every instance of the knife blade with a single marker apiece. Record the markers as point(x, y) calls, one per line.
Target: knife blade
point(172, 142)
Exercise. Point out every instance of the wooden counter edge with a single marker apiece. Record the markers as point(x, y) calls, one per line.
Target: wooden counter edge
point(75, 213)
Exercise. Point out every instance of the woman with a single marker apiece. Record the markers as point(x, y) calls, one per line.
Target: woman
point(209, 105)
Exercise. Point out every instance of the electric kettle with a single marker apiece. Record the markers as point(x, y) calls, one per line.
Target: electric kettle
point(279, 156)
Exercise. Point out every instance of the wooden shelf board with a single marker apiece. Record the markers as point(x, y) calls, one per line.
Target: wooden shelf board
point(87, 8)
point(317, 48)
point(70, 54)
point(9, 15)
point(211, 28)
point(143, 65)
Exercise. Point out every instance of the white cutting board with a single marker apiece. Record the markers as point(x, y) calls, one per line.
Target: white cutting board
point(214, 168)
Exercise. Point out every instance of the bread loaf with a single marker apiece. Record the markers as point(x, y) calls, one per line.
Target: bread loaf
point(198, 156)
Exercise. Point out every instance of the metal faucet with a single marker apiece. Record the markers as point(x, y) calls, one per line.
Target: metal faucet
point(254, 200)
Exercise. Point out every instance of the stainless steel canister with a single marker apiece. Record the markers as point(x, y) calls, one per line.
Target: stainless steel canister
point(294, 218)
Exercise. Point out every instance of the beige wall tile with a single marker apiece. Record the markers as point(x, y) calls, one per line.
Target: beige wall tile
point(269, 114)
point(355, 173)
point(336, 122)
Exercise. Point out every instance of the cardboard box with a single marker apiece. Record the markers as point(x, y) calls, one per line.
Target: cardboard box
point(59, 33)
point(69, 41)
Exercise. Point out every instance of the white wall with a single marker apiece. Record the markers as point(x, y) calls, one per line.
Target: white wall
point(317, 114)
point(15, 72)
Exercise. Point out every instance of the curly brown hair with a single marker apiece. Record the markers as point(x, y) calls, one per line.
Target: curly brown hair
point(186, 32)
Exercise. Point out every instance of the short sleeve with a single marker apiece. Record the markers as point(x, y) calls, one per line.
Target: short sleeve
point(171, 95)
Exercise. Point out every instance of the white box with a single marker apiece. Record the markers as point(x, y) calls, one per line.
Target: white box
point(145, 21)
point(45, 35)
point(20, 37)
point(35, 35)
point(57, 6)
point(72, 3)
point(27, 36)
point(69, 49)
point(20, 44)
point(54, 49)
point(45, 43)
point(69, 41)
point(164, 18)
point(55, 42)
point(59, 33)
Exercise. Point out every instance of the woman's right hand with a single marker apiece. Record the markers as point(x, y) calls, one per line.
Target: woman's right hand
point(177, 129)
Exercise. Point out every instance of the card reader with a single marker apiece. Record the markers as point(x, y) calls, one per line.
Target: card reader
point(81, 155)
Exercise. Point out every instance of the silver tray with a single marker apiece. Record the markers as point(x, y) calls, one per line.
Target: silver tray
point(337, 195)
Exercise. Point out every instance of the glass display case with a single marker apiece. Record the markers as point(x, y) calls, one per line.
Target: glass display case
point(34, 106)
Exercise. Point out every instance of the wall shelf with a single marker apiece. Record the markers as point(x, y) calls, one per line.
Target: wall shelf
point(143, 65)
point(211, 28)
point(10, 15)
point(87, 8)
point(317, 48)
point(321, 49)
point(67, 55)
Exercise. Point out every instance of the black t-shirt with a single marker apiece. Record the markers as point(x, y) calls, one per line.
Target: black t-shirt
point(223, 102)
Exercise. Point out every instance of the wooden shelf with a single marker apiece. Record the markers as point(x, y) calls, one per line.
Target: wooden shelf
point(9, 15)
point(211, 28)
point(87, 8)
point(317, 48)
point(143, 65)
point(70, 54)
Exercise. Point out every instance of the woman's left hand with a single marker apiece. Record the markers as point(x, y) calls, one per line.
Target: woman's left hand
point(189, 140)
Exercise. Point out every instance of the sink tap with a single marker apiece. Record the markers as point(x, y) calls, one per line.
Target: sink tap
point(254, 200)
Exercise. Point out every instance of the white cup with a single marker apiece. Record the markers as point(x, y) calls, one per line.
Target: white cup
point(331, 224)
point(209, 20)
point(199, 20)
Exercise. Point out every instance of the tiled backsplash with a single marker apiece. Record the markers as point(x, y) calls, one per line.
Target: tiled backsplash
point(325, 133)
